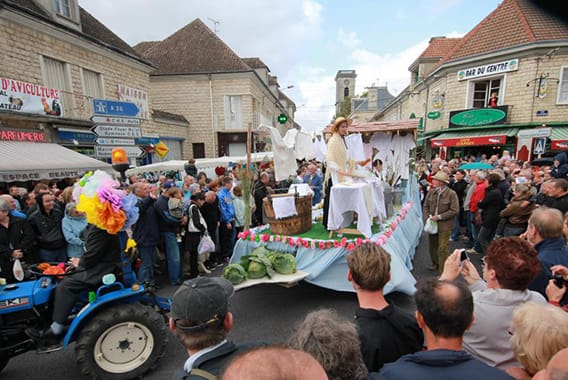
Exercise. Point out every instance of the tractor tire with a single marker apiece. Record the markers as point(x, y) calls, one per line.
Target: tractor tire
point(3, 361)
point(122, 342)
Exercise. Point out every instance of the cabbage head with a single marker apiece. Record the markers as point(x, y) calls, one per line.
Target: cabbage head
point(235, 273)
point(256, 269)
point(285, 263)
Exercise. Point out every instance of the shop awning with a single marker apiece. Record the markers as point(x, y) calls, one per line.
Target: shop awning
point(473, 138)
point(25, 161)
point(559, 138)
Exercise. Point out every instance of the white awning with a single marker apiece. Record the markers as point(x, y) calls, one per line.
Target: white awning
point(201, 163)
point(25, 161)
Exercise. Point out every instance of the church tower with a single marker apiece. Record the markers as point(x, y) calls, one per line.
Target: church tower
point(344, 86)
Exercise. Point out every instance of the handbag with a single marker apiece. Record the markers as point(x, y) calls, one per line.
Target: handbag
point(431, 226)
point(206, 245)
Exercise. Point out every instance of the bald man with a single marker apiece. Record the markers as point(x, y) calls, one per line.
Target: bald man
point(277, 363)
point(557, 368)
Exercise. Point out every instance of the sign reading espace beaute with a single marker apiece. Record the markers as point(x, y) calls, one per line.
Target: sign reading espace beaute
point(18, 96)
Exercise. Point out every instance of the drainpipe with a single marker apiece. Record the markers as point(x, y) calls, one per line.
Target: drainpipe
point(214, 135)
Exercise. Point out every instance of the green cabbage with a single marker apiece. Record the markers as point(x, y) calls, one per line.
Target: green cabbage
point(256, 269)
point(284, 263)
point(235, 273)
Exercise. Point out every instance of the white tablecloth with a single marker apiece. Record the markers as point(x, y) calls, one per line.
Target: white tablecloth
point(346, 199)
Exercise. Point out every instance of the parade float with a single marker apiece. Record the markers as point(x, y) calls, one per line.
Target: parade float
point(360, 211)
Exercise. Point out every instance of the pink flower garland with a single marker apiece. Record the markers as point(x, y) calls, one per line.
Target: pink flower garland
point(323, 244)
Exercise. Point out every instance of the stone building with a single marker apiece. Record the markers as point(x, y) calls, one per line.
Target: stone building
point(221, 94)
point(57, 58)
point(503, 86)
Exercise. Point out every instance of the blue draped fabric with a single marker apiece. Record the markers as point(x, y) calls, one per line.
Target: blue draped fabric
point(327, 268)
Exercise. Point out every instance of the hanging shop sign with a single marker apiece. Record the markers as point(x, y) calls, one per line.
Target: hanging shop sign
point(490, 69)
point(17, 96)
point(434, 115)
point(478, 117)
point(470, 141)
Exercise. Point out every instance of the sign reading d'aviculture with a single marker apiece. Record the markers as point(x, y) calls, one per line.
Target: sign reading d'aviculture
point(18, 96)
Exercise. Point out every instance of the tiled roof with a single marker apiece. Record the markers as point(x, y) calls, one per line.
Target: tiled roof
point(194, 49)
point(143, 47)
point(159, 114)
point(93, 27)
point(512, 23)
point(438, 47)
point(90, 27)
point(381, 126)
point(255, 63)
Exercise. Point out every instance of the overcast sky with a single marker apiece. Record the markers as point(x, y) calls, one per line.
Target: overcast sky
point(305, 42)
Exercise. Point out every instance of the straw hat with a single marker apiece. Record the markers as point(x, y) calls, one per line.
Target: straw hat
point(442, 177)
point(337, 122)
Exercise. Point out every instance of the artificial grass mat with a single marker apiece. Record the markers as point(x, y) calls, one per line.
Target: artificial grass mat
point(318, 232)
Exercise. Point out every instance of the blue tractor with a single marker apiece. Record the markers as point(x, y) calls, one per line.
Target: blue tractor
point(119, 329)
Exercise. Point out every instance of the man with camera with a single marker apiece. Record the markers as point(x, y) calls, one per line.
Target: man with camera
point(544, 232)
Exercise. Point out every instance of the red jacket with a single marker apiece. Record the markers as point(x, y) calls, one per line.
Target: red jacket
point(477, 196)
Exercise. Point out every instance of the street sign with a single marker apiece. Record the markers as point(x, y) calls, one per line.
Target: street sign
point(117, 131)
point(114, 108)
point(539, 145)
point(147, 140)
point(106, 150)
point(114, 141)
point(535, 132)
point(111, 120)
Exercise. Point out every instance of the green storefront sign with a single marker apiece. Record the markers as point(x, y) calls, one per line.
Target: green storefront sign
point(478, 117)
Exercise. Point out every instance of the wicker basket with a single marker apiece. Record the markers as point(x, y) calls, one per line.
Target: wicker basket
point(294, 224)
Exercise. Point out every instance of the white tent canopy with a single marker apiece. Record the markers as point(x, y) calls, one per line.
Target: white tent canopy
point(207, 165)
point(29, 161)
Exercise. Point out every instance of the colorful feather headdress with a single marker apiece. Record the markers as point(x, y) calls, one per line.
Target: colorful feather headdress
point(106, 205)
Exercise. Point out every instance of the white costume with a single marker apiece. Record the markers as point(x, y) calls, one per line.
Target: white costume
point(402, 146)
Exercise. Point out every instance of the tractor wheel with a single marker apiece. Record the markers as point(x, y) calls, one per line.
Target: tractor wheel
point(3, 361)
point(121, 342)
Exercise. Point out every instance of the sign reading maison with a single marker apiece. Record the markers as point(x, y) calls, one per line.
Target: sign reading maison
point(490, 69)
point(17, 96)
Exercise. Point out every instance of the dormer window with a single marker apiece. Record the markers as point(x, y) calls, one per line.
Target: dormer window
point(63, 8)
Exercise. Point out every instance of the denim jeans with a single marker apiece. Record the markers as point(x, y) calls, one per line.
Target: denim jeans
point(456, 233)
point(58, 255)
point(485, 237)
point(474, 231)
point(173, 258)
point(147, 260)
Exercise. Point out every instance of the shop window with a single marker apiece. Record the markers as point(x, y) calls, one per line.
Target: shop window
point(56, 75)
point(483, 91)
point(233, 112)
point(92, 85)
point(563, 86)
point(198, 150)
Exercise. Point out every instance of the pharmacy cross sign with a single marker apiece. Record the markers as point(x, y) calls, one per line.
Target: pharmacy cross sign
point(114, 108)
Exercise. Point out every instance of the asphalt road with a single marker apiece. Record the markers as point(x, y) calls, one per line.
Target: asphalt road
point(263, 312)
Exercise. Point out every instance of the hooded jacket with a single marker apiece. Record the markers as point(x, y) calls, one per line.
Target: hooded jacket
point(73, 229)
point(560, 171)
point(488, 338)
point(441, 364)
